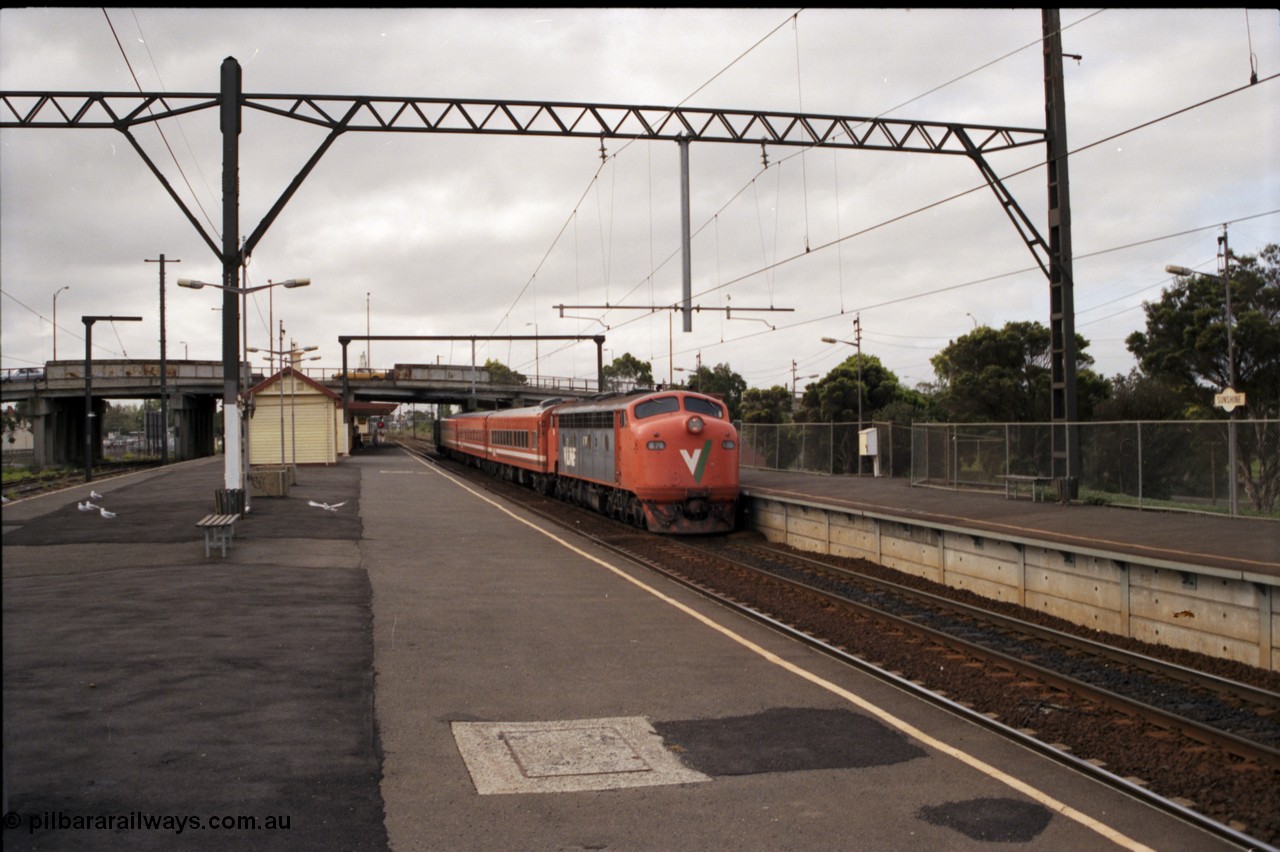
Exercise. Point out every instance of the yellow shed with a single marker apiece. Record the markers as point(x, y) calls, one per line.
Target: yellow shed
point(296, 417)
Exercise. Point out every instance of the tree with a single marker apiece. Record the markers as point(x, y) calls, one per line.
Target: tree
point(1138, 396)
point(722, 382)
point(626, 372)
point(834, 397)
point(501, 374)
point(1186, 336)
point(16, 417)
point(1185, 344)
point(1004, 375)
point(766, 406)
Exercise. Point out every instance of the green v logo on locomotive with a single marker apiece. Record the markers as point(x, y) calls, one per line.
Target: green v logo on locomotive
point(696, 461)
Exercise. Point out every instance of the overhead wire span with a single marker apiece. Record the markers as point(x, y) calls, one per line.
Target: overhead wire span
point(159, 129)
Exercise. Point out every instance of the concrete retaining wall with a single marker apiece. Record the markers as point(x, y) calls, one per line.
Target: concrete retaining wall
point(1223, 614)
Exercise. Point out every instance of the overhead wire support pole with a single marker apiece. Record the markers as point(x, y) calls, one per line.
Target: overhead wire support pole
point(229, 116)
point(1062, 313)
point(164, 366)
point(686, 261)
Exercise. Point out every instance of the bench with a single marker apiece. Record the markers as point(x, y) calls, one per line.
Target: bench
point(1040, 485)
point(219, 530)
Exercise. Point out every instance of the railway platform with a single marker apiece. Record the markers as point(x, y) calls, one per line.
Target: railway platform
point(1206, 541)
point(427, 669)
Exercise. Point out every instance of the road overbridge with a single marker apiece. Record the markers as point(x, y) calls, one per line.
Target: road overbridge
point(56, 406)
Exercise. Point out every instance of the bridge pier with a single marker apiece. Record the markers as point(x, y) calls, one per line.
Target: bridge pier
point(195, 420)
point(57, 431)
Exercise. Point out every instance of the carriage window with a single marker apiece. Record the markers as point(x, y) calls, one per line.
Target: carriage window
point(703, 406)
point(659, 405)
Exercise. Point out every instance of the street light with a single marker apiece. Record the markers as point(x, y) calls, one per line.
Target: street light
point(537, 378)
point(857, 342)
point(55, 321)
point(234, 473)
point(1231, 372)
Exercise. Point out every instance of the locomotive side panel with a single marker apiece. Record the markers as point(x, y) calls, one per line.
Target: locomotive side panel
point(588, 446)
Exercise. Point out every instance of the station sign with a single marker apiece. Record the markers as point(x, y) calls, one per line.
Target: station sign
point(1229, 400)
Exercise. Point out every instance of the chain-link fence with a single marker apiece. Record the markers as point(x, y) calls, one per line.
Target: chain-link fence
point(1159, 464)
point(1174, 465)
point(827, 448)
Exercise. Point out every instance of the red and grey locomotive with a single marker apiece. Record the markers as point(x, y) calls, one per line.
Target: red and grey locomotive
point(663, 460)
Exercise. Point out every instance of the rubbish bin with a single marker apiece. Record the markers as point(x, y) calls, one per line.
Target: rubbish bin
point(229, 501)
point(1068, 488)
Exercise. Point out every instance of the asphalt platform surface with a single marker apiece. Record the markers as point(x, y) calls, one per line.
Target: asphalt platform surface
point(427, 669)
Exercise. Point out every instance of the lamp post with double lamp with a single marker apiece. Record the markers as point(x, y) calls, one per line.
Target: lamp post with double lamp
point(233, 436)
point(1230, 390)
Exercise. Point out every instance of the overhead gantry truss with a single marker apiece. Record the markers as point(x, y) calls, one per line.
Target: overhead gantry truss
point(340, 113)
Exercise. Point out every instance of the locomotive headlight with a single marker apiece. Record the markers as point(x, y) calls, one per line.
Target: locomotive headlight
point(695, 425)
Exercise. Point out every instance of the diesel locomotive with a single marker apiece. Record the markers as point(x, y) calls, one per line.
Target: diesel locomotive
point(666, 461)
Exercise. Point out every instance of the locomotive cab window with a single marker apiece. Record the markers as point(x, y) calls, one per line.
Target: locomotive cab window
point(660, 405)
point(703, 406)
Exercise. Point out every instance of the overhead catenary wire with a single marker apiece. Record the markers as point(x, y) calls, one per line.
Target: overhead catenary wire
point(159, 129)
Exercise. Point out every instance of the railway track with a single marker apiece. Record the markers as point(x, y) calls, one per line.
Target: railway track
point(102, 472)
point(1201, 745)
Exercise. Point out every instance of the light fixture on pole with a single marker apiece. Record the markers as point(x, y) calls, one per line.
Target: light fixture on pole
point(294, 357)
point(1230, 399)
point(164, 368)
point(856, 342)
point(537, 378)
point(55, 320)
point(231, 432)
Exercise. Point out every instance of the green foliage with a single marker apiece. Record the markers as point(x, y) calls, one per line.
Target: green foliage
point(766, 406)
point(835, 397)
point(1141, 397)
point(501, 374)
point(997, 375)
point(628, 371)
point(1185, 345)
point(721, 382)
point(1185, 341)
point(15, 417)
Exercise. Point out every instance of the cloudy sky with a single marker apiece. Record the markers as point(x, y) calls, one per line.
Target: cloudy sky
point(416, 234)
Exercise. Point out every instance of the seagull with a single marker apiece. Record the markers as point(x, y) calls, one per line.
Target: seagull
point(86, 506)
point(94, 495)
point(326, 506)
point(106, 514)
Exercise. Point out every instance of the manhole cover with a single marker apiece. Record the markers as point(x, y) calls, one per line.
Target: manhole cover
point(593, 750)
point(551, 757)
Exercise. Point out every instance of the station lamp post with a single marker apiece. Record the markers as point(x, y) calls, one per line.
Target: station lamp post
point(1231, 376)
point(55, 319)
point(857, 343)
point(234, 478)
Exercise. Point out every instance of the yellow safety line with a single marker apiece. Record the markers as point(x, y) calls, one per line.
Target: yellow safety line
point(903, 726)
